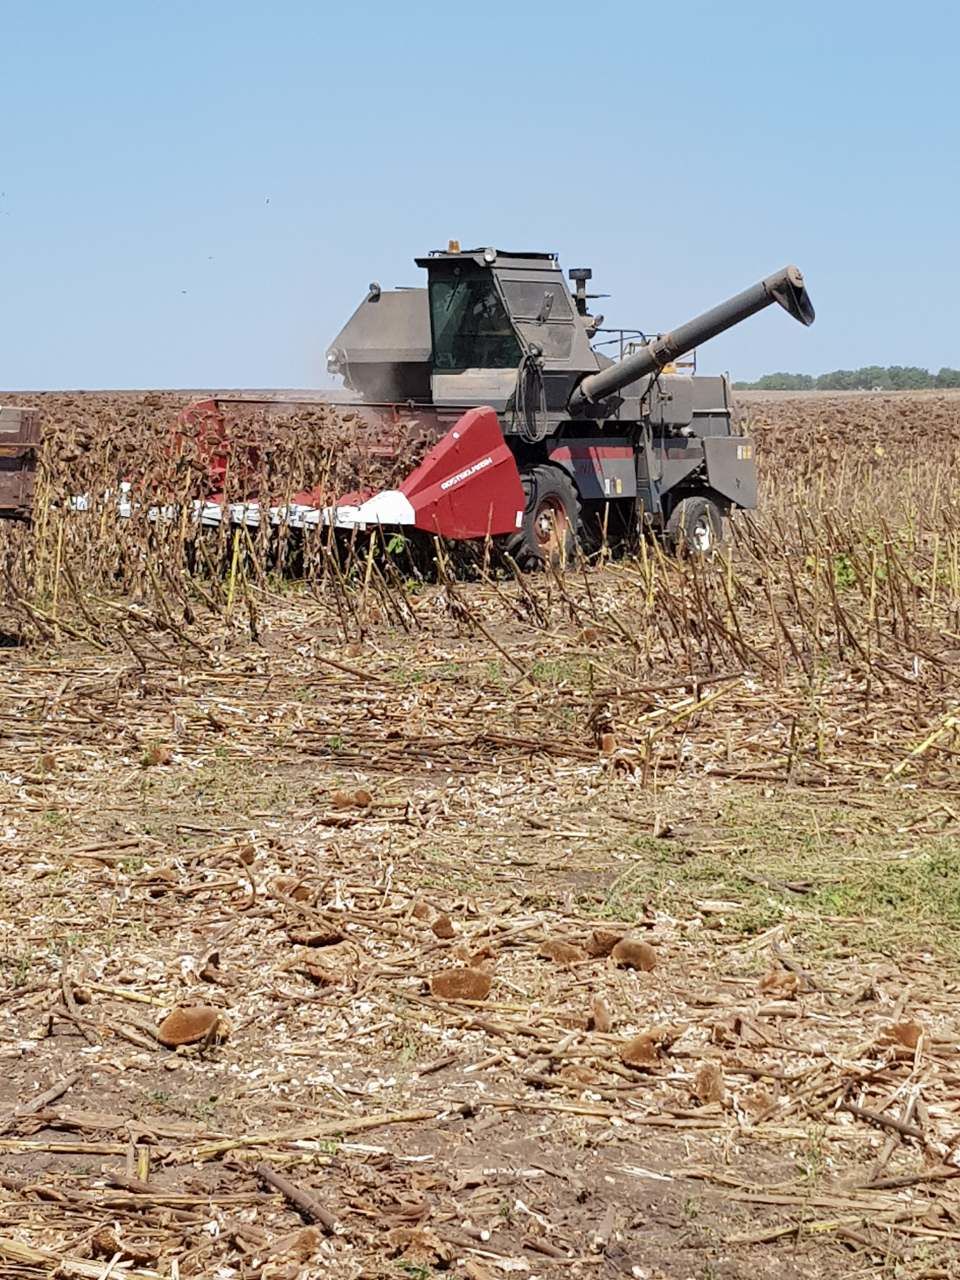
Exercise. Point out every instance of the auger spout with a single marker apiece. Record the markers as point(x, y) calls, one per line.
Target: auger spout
point(785, 287)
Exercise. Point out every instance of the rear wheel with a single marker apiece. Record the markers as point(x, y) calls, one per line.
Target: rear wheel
point(695, 527)
point(551, 519)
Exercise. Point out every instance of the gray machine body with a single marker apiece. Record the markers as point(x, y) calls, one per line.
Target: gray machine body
point(504, 330)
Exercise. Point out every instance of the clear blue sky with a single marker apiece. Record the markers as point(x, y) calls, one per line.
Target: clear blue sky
point(196, 193)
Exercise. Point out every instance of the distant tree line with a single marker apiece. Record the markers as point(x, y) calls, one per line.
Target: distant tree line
point(872, 377)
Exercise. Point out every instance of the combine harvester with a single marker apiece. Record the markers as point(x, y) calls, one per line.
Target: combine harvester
point(535, 435)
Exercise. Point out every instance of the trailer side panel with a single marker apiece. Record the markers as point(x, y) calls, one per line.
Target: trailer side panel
point(19, 448)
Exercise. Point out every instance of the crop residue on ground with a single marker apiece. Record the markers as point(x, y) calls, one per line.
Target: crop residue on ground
point(598, 923)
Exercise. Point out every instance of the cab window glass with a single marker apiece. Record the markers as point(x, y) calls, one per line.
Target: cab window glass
point(554, 340)
point(525, 298)
point(471, 329)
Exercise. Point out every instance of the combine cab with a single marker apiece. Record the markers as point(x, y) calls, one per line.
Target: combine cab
point(533, 435)
point(19, 447)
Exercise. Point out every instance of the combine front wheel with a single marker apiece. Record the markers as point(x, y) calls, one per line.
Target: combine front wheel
point(551, 519)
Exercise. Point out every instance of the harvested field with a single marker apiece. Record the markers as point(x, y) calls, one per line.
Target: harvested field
point(802, 431)
point(603, 923)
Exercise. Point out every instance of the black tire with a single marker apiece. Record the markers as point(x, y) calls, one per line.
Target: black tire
point(695, 527)
point(551, 519)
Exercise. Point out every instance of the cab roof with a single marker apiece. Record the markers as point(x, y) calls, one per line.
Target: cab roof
point(482, 258)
